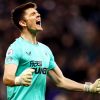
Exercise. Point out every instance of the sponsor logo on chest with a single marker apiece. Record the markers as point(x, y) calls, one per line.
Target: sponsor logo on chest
point(37, 66)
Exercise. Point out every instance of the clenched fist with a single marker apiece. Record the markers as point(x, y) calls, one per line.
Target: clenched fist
point(25, 77)
point(92, 87)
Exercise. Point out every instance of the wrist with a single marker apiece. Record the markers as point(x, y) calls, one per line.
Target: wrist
point(18, 80)
point(87, 86)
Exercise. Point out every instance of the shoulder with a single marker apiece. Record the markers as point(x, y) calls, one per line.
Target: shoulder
point(14, 48)
point(44, 46)
point(15, 44)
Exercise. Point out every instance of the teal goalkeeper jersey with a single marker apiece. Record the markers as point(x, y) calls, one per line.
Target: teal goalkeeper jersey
point(27, 55)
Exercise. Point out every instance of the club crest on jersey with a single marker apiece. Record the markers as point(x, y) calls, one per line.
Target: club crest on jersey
point(46, 54)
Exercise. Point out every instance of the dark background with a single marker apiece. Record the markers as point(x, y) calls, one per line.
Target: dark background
point(71, 30)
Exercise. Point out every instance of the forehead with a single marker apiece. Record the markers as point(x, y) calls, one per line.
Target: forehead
point(30, 11)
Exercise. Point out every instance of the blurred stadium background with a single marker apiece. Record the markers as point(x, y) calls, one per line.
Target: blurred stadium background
point(71, 30)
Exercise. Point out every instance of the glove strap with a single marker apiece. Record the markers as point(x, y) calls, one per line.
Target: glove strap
point(18, 80)
point(87, 86)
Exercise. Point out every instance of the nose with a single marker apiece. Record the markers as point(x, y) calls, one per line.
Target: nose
point(38, 15)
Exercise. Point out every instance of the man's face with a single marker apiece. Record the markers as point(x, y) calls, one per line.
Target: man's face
point(33, 19)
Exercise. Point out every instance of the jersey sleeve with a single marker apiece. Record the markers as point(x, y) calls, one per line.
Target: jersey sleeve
point(52, 63)
point(12, 55)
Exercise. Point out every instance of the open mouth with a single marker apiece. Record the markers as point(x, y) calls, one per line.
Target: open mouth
point(38, 22)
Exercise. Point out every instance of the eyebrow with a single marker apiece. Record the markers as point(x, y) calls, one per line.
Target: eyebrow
point(33, 12)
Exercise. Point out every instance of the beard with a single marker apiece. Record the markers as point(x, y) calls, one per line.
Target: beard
point(32, 31)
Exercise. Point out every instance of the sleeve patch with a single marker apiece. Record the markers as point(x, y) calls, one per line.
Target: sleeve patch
point(10, 52)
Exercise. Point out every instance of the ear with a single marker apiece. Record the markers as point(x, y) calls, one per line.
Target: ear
point(22, 23)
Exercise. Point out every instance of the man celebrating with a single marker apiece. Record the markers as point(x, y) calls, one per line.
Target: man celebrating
point(28, 61)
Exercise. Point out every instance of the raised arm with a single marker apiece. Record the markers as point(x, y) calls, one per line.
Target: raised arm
point(63, 82)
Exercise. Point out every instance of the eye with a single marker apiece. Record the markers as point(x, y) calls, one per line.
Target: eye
point(33, 13)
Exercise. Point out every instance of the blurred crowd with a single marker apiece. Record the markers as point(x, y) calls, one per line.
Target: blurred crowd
point(71, 30)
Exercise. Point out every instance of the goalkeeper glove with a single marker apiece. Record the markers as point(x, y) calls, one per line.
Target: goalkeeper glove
point(93, 88)
point(25, 77)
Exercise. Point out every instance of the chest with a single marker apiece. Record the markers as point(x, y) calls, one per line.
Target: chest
point(35, 57)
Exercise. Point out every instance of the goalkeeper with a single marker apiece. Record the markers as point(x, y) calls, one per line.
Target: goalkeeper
point(28, 61)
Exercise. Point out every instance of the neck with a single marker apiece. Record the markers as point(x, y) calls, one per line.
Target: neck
point(29, 36)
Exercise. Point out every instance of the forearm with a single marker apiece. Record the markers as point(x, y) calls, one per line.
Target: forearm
point(12, 81)
point(9, 74)
point(24, 78)
point(70, 85)
point(9, 81)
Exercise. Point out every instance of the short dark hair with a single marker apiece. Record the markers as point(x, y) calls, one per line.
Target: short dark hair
point(18, 13)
